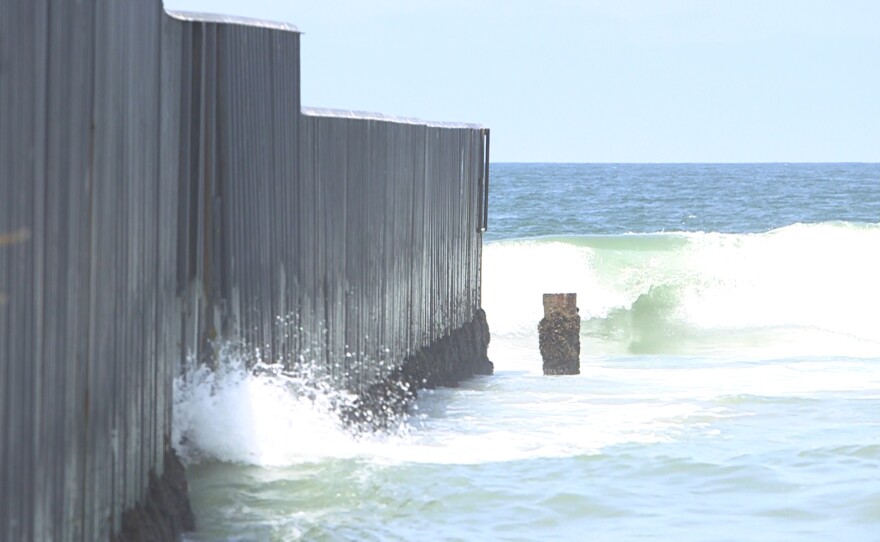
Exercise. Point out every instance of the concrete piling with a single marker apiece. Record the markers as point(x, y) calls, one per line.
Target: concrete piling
point(559, 335)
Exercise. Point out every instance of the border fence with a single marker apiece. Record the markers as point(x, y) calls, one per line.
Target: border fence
point(160, 188)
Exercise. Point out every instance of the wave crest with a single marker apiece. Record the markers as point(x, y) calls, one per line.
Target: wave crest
point(801, 287)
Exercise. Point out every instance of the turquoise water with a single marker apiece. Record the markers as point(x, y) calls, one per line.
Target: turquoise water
point(730, 385)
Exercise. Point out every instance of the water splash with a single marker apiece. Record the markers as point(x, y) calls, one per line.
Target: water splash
point(257, 413)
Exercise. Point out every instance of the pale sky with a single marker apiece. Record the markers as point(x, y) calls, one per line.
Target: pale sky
point(603, 81)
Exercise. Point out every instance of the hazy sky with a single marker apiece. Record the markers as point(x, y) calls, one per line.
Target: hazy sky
point(603, 81)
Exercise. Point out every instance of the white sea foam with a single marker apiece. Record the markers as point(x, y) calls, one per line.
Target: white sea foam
point(788, 313)
point(516, 274)
point(256, 415)
point(807, 288)
point(266, 418)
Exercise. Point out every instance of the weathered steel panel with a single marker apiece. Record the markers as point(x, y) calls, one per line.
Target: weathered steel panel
point(245, 180)
point(80, 99)
point(22, 50)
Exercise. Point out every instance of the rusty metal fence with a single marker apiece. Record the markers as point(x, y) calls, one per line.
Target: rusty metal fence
point(160, 188)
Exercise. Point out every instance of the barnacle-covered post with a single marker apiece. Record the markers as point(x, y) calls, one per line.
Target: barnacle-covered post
point(559, 335)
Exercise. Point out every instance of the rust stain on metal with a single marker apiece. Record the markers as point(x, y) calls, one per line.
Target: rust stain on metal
point(19, 236)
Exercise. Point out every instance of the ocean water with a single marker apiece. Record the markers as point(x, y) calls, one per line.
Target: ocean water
point(729, 386)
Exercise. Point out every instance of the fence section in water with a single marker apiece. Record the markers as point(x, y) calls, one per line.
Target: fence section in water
point(160, 188)
point(387, 223)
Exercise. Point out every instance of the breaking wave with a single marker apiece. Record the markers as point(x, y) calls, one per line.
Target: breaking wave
point(804, 288)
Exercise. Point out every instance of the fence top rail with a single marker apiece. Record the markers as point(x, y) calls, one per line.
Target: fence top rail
point(365, 115)
point(217, 18)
